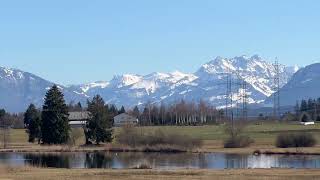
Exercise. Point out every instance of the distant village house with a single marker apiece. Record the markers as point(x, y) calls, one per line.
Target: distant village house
point(78, 119)
point(125, 119)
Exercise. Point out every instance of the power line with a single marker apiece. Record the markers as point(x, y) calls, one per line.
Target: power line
point(241, 101)
point(276, 88)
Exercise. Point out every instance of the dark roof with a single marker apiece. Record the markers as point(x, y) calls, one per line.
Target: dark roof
point(81, 115)
point(125, 115)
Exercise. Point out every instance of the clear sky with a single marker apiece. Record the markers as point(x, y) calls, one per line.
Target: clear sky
point(77, 41)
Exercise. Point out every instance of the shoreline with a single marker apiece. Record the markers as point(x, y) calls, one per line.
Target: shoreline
point(34, 173)
point(91, 149)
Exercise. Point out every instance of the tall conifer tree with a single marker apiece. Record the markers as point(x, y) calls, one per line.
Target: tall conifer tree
point(99, 127)
point(32, 121)
point(122, 110)
point(55, 124)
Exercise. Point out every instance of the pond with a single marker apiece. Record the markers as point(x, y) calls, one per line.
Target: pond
point(158, 160)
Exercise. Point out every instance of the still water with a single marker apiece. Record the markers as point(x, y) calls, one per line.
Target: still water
point(158, 160)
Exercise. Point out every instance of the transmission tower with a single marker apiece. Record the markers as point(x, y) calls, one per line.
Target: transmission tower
point(228, 94)
point(244, 97)
point(242, 102)
point(276, 88)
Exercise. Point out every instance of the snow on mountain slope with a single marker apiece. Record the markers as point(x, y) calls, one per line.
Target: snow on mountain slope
point(18, 89)
point(207, 83)
point(304, 84)
point(256, 71)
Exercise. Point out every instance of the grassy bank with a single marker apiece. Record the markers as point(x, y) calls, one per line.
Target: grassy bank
point(29, 173)
point(263, 133)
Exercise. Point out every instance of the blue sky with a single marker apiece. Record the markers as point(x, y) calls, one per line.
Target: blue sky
point(78, 41)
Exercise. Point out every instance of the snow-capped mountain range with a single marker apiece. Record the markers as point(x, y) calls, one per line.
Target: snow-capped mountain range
point(19, 88)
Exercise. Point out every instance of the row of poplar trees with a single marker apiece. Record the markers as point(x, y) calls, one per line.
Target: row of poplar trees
point(51, 125)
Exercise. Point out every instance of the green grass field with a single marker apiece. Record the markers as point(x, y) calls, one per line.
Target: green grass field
point(264, 134)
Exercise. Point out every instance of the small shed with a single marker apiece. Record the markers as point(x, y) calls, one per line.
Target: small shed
point(78, 119)
point(125, 119)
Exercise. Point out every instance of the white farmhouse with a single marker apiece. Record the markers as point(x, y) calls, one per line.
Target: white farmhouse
point(125, 119)
point(78, 119)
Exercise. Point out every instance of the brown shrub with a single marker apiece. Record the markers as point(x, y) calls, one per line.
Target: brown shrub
point(236, 138)
point(136, 137)
point(301, 139)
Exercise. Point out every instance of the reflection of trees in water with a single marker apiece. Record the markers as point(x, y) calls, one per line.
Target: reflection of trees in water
point(203, 162)
point(236, 161)
point(56, 160)
point(115, 160)
point(162, 159)
point(159, 160)
point(307, 161)
point(98, 160)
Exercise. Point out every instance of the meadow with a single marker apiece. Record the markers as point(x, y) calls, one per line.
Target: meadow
point(264, 134)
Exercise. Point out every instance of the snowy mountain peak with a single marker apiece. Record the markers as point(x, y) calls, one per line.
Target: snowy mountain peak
point(208, 84)
point(172, 77)
point(124, 80)
point(10, 73)
point(224, 65)
point(98, 84)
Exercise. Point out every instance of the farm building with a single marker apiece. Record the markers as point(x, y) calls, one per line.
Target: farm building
point(125, 119)
point(78, 119)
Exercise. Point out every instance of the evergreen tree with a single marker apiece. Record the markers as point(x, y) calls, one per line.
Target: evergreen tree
point(79, 106)
point(32, 121)
point(136, 112)
point(2, 113)
point(303, 106)
point(28, 115)
point(99, 127)
point(2, 119)
point(311, 104)
point(55, 124)
point(122, 110)
point(113, 110)
point(305, 118)
point(74, 107)
point(318, 101)
point(297, 108)
point(145, 116)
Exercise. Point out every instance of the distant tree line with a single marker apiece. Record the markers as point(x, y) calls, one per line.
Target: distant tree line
point(12, 120)
point(309, 108)
point(112, 109)
point(181, 113)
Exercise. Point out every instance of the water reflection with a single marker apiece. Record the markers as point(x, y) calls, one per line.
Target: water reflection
point(158, 160)
point(98, 160)
point(48, 160)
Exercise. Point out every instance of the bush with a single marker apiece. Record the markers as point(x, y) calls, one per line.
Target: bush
point(238, 142)
point(236, 138)
point(286, 140)
point(137, 137)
